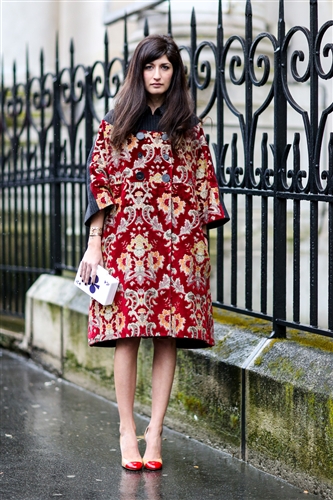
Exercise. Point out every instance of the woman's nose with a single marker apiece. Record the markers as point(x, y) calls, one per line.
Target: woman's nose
point(157, 75)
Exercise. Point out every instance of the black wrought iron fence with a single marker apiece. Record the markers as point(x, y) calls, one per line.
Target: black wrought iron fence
point(274, 160)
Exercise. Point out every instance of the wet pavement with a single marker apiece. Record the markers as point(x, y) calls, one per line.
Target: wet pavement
point(59, 441)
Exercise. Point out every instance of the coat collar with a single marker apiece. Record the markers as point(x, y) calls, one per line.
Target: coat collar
point(158, 111)
point(149, 121)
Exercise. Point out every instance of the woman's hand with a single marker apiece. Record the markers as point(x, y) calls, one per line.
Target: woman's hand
point(91, 259)
point(93, 255)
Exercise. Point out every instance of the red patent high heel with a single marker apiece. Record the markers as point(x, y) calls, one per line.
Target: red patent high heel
point(134, 465)
point(154, 464)
point(131, 465)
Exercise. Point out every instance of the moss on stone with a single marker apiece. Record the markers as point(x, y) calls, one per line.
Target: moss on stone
point(259, 359)
point(193, 404)
point(222, 348)
point(234, 421)
point(102, 374)
point(289, 424)
point(289, 391)
point(311, 340)
point(264, 328)
point(282, 365)
point(220, 343)
point(329, 428)
point(267, 443)
point(54, 310)
point(12, 324)
point(255, 325)
point(77, 328)
point(8, 342)
point(208, 392)
point(71, 363)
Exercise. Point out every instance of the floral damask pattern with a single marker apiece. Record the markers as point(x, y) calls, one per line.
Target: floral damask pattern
point(156, 202)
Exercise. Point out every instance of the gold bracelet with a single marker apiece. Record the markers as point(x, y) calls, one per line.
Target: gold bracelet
point(95, 231)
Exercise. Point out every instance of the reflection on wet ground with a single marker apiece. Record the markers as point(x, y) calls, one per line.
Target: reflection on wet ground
point(59, 441)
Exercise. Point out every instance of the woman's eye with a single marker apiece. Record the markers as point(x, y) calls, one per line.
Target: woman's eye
point(148, 66)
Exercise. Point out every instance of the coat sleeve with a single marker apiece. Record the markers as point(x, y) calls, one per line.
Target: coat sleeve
point(98, 165)
point(211, 206)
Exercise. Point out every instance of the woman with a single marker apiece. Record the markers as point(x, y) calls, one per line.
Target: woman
point(152, 194)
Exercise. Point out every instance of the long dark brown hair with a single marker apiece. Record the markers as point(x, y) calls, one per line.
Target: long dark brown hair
point(132, 99)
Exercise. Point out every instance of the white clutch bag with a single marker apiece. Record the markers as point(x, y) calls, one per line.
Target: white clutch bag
point(104, 288)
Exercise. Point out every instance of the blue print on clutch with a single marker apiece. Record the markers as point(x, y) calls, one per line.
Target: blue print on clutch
point(104, 288)
point(93, 286)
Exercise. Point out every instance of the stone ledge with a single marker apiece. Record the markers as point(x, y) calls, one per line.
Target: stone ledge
point(268, 401)
point(290, 412)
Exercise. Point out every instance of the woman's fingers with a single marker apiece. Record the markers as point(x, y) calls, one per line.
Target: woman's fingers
point(93, 272)
point(88, 266)
point(85, 271)
point(88, 271)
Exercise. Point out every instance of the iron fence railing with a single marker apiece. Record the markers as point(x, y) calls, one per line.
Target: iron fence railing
point(273, 145)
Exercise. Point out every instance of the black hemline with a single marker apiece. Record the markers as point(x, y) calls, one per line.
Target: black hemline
point(180, 343)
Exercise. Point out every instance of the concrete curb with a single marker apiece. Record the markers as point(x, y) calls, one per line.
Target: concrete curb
point(269, 402)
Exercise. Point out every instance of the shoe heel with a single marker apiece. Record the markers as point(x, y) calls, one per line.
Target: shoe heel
point(134, 465)
point(154, 464)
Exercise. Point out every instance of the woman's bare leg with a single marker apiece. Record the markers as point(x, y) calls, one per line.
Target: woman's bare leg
point(164, 364)
point(125, 367)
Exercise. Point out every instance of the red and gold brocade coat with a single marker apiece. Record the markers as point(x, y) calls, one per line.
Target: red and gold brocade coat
point(157, 202)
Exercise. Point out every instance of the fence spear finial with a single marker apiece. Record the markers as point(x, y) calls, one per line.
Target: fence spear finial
point(193, 19)
point(72, 52)
point(106, 48)
point(281, 10)
point(169, 20)
point(248, 8)
point(220, 22)
point(42, 58)
point(146, 28)
point(27, 60)
point(57, 53)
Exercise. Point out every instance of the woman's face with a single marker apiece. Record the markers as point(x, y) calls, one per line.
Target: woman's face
point(157, 76)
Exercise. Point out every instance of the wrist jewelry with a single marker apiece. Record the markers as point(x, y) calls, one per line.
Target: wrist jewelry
point(95, 231)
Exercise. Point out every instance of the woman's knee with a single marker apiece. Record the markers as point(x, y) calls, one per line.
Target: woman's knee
point(129, 344)
point(165, 343)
